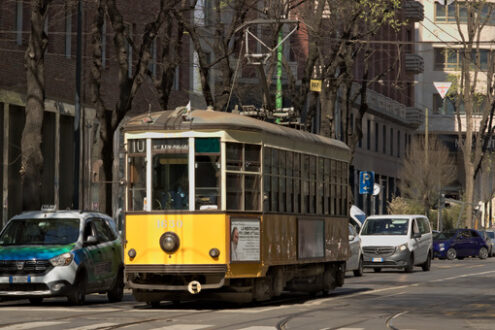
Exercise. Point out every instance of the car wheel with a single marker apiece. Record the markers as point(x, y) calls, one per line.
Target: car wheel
point(410, 264)
point(483, 254)
point(427, 265)
point(377, 270)
point(451, 254)
point(116, 293)
point(78, 294)
point(36, 300)
point(359, 270)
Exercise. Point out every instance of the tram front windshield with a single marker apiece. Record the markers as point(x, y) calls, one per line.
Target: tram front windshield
point(170, 174)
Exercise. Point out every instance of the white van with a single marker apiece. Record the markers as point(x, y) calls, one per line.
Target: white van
point(397, 241)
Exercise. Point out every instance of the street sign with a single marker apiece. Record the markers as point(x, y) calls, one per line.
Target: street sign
point(442, 87)
point(315, 85)
point(366, 182)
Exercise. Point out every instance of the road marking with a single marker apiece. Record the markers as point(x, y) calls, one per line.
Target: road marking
point(345, 328)
point(94, 326)
point(33, 325)
point(388, 323)
point(184, 327)
point(321, 301)
point(258, 328)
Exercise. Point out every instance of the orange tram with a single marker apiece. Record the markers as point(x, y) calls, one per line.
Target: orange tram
point(224, 205)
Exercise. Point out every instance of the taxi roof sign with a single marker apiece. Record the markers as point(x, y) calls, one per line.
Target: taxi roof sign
point(48, 208)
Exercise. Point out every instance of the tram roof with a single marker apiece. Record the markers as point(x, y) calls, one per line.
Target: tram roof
point(179, 119)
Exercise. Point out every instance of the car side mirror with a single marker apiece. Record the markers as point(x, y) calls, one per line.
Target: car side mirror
point(351, 237)
point(91, 240)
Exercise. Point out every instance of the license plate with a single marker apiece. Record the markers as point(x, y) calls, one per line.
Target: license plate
point(377, 259)
point(20, 279)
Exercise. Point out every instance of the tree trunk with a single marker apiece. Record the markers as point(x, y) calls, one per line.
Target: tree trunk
point(469, 195)
point(101, 193)
point(32, 158)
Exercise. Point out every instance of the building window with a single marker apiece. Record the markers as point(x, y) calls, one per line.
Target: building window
point(384, 139)
point(104, 42)
point(398, 143)
point(376, 137)
point(368, 135)
point(451, 59)
point(152, 64)
point(447, 13)
point(391, 141)
point(19, 14)
point(128, 47)
point(68, 31)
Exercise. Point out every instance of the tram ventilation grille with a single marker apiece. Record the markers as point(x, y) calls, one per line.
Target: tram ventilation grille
point(175, 269)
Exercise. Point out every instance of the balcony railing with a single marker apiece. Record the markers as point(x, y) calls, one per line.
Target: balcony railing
point(413, 11)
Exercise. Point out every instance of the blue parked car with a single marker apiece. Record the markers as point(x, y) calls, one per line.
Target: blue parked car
point(459, 243)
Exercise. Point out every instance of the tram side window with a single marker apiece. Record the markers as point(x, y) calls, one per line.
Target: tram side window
point(326, 184)
point(170, 174)
point(319, 187)
point(289, 178)
point(136, 174)
point(282, 163)
point(333, 189)
point(312, 184)
point(305, 184)
point(207, 173)
point(267, 164)
point(243, 177)
point(274, 179)
point(297, 183)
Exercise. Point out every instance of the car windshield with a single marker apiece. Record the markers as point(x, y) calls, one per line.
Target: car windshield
point(444, 235)
point(40, 232)
point(490, 234)
point(387, 226)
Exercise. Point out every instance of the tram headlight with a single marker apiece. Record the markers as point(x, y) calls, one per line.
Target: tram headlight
point(214, 253)
point(169, 242)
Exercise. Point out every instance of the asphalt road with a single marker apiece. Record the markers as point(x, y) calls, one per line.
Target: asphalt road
point(453, 295)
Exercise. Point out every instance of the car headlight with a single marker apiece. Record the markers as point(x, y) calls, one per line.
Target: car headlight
point(402, 247)
point(62, 260)
point(441, 246)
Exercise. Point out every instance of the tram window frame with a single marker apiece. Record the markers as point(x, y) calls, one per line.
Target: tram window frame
point(305, 164)
point(326, 184)
point(132, 154)
point(238, 198)
point(267, 193)
point(333, 187)
point(274, 181)
point(173, 192)
point(312, 184)
point(207, 151)
point(297, 182)
point(320, 185)
point(289, 178)
point(282, 158)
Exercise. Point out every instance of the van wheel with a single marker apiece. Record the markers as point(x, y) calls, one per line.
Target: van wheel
point(451, 254)
point(483, 254)
point(427, 265)
point(410, 264)
point(359, 270)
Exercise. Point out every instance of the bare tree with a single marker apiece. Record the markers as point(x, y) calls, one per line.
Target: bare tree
point(423, 181)
point(211, 28)
point(128, 84)
point(477, 116)
point(32, 158)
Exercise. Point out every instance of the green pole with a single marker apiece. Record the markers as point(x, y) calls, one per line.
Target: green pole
point(278, 95)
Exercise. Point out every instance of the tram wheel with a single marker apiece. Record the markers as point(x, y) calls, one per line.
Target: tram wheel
point(153, 304)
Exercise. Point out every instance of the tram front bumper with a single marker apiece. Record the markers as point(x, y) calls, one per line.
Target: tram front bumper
point(192, 278)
